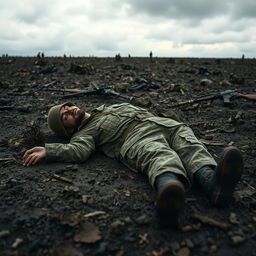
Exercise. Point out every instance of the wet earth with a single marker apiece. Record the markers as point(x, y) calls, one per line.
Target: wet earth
point(100, 207)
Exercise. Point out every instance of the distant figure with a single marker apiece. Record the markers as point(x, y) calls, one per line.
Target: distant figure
point(42, 55)
point(243, 57)
point(151, 55)
point(118, 57)
point(38, 55)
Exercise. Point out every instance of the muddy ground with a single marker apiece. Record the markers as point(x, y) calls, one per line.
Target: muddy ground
point(100, 207)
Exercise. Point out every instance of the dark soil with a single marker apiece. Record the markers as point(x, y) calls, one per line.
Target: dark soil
point(40, 214)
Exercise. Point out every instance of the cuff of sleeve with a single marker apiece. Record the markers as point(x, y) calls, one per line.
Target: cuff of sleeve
point(50, 152)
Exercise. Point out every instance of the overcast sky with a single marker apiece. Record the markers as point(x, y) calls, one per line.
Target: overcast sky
point(168, 28)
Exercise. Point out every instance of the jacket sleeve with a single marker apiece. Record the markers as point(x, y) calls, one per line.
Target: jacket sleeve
point(77, 151)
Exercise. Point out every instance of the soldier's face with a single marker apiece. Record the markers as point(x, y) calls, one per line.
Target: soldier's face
point(71, 117)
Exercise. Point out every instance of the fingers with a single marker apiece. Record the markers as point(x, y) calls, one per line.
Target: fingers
point(33, 155)
point(31, 160)
point(28, 152)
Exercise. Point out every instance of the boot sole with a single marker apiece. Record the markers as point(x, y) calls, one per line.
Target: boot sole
point(169, 204)
point(229, 173)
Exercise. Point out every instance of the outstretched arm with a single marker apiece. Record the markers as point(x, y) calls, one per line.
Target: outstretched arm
point(77, 151)
point(33, 155)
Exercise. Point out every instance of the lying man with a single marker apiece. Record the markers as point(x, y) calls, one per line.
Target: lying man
point(165, 150)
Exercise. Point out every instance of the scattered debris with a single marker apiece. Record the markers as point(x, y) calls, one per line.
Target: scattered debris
point(210, 221)
point(61, 178)
point(48, 70)
point(127, 192)
point(234, 79)
point(143, 238)
point(101, 190)
point(33, 135)
point(17, 242)
point(233, 218)
point(206, 82)
point(88, 233)
point(142, 84)
point(183, 252)
point(8, 159)
point(4, 233)
point(70, 219)
point(81, 69)
point(192, 227)
point(237, 236)
point(143, 219)
point(160, 252)
point(71, 188)
point(116, 224)
point(92, 214)
point(85, 198)
point(65, 250)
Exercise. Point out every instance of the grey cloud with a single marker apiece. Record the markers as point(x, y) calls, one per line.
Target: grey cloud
point(98, 10)
point(193, 12)
point(26, 11)
point(212, 39)
point(179, 9)
point(243, 9)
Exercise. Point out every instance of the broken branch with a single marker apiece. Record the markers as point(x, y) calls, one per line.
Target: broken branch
point(210, 221)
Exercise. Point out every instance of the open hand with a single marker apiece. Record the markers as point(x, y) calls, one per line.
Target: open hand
point(33, 155)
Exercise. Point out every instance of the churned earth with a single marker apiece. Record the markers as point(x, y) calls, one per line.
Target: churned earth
point(100, 207)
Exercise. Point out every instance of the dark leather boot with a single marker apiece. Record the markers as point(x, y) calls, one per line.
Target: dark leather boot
point(219, 184)
point(170, 200)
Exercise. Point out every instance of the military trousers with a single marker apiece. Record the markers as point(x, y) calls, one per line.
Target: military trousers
point(154, 149)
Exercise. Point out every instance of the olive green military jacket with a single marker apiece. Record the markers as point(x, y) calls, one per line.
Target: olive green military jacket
point(104, 131)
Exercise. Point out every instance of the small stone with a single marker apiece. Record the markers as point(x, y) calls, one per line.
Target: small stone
point(236, 239)
point(71, 189)
point(233, 218)
point(143, 219)
point(237, 236)
point(85, 198)
point(206, 82)
point(17, 242)
point(116, 224)
point(4, 233)
point(128, 220)
point(189, 243)
point(225, 83)
point(183, 252)
point(26, 108)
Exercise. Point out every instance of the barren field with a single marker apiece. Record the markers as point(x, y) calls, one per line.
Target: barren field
point(100, 207)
